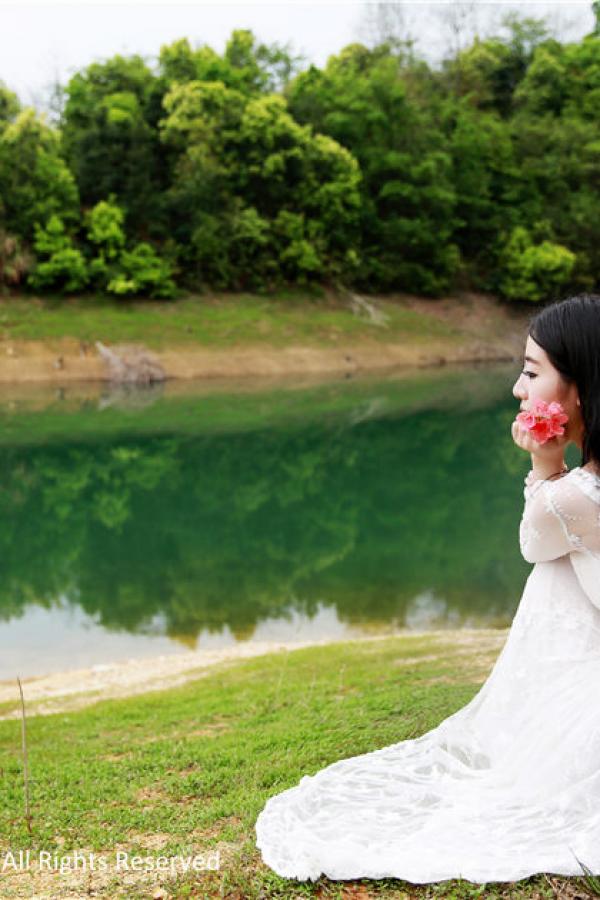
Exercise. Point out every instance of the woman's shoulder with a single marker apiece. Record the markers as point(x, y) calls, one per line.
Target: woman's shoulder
point(590, 468)
point(588, 471)
point(587, 479)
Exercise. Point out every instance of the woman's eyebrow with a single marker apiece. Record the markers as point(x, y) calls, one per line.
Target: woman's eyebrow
point(531, 360)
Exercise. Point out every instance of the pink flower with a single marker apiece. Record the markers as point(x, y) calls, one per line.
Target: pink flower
point(543, 420)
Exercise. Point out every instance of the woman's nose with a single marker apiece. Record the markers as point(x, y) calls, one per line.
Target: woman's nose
point(518, 391)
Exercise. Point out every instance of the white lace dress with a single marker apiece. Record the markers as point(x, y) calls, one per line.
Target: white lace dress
point(509, 785)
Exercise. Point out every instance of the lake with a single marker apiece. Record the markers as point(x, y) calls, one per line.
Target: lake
point(193, 515)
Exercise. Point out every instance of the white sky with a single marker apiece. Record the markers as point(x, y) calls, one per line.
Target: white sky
point(44, 41)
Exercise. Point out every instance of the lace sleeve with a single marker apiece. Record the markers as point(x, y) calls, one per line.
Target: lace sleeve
point(561, 516)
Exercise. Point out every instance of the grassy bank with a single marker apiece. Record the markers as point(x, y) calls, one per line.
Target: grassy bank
point(188, 769)
point(55, 340)
point(214, 320)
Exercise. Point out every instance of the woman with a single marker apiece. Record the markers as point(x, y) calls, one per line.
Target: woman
point(509, 785)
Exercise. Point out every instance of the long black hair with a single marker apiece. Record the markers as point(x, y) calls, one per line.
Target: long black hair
point(569, 332)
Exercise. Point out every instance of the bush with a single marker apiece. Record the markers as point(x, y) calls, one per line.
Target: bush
point(118, 270)
point(142, 271)
point(64, 267)
point(534, 272)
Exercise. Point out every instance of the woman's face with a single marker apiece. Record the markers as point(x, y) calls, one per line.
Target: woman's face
point(539, 380)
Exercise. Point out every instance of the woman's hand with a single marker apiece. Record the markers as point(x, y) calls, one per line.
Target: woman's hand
point(549, 455)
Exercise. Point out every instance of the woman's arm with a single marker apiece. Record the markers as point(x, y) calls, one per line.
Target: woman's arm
point(559, 517)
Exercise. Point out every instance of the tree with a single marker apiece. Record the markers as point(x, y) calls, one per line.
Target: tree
point(491, 70)
point(110, 141)
point(35, 182)
point(488, 184)
point(246, 65)
point(245, 165)
point(369, 102)
point(596, 11)
point(9, 106)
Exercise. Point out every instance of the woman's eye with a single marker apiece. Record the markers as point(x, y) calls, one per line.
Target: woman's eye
point(529, 374)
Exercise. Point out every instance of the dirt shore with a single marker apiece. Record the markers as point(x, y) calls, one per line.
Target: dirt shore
point(486, 330)
point(69, 690)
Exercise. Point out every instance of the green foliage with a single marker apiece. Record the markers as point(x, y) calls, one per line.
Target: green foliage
point(110, 140)
point(105, 228)
point(35, 182)
point(534, 271)
point(9, 105)
point(544, 87)
point(563, 80)
point(241, 166)
point(245, 66)
point(249, 237)
point(375, 171)
point(64, 267)
point(141, 271)
point(298, 245)
point(118, 270)
point(559, 168)
point(596, 11)
point(407, 199)
point(486, 180)
point(478, 74)
point(114, 268)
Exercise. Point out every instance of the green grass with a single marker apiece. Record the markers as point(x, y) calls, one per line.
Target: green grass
point(195, 764)
point(215, 320)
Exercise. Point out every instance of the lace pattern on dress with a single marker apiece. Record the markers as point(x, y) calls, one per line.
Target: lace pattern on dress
point(561, 516)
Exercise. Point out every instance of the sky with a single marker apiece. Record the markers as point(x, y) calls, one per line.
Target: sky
point(46, 41)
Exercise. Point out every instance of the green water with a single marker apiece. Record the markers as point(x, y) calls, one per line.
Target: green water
point(135, 523)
